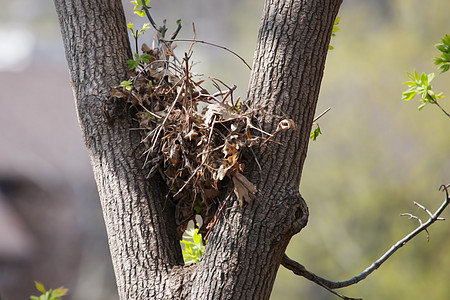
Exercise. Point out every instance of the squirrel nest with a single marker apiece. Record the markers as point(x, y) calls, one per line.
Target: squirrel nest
point(200, 143)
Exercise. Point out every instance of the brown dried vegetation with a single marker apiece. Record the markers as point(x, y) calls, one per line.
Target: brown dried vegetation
point(200, 143)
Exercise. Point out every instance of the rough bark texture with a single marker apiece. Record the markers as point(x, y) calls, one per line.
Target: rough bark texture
point(247, 244)
point(142, 239)
point(245, 251)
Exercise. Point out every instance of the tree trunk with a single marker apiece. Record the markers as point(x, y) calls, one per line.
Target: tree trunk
point(246, 246)
point(142, 236)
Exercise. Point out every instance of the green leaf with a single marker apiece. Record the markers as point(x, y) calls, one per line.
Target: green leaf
point(431, 77)
point(126, 84)
point(197, 239)
point(132, 64)
point(422, 106)
point(140, 13)
point(444, 60)
point(193, 246)
point(411, 76)
point(59, 292)
point(315, 133)
point(145, 27)
point(187, 243)
point(444, 68)
point(46, 296)
point(442, 47)
point(40, 287)
point(145, 58)
point(424, 78)
point(438, 61)
point(410, 83)
point(408, 95)
point(135, 3)
point(446, 39)
point(197, 207)
point(130, 25)
point(335, 29)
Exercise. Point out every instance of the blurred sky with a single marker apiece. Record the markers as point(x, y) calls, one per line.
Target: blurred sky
point(376, 155)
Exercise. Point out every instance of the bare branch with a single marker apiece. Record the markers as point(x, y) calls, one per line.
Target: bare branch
point(319, 116)
point(211, 44)
point(411, 216)
point(446, 113)
point(300, 270)
point(424, 208)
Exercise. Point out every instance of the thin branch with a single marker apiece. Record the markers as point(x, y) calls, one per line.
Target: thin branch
point(211, 44)
point(177, 31)
point(448, 115)
point(411, 216)
point(424, 208)
point(149, 17)
point(319, 116)
point(300, 270)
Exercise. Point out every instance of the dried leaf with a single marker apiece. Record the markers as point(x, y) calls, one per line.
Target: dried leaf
point(220, 109)
point(146, 48)
point(174, 155)
point(210, 193)
point(242, 188)
point(221, 173)
point(118, 94)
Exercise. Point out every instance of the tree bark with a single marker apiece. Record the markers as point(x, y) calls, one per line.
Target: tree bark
point(247, 244)
point(142, 237)
point(245, 250)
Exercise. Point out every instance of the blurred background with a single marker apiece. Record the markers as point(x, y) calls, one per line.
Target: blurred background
point(376, 156)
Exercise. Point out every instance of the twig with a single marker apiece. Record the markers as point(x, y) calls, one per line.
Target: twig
point(177, 31)
point(203, 161)
point(411, 216)
point(160, 29)
point(300, 270)
point(216, 216)
point(424, 208)
point(187, 87)
point(448, 115)
point(194, 37)
point(319, 116)
point(211, 44)
point(221, 93)
point(155, 139)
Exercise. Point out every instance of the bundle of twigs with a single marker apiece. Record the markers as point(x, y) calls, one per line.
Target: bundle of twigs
point(199, 142)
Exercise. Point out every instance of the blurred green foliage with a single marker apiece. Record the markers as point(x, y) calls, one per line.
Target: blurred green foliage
point(421, 85)
point(193, 246)
point(51, 294)
point(444, 60)
point(335, 29)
